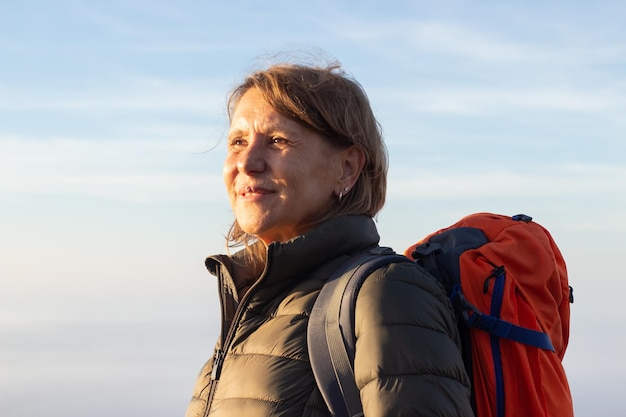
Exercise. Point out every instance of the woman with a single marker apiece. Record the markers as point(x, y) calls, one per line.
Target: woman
point(305, 173)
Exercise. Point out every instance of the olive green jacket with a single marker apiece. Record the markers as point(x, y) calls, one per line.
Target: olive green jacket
point(407, 359)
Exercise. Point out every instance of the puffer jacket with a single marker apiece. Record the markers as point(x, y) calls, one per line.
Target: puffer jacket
point(407, 359)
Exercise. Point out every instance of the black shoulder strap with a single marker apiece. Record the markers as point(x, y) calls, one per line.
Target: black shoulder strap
point(331, 331)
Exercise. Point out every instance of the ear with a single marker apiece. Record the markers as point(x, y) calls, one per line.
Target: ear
point(352, 162)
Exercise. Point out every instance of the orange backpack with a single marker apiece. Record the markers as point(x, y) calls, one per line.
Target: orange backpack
point(508, 283)
point(513, 293)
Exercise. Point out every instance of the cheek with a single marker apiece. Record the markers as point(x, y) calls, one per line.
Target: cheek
point(228, 168)
point(228, 175)
point(325, 172)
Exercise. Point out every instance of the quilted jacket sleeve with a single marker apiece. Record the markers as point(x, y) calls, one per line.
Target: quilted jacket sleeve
point(407, 359)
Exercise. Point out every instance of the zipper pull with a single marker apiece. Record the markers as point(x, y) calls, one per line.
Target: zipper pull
point(497, 272)
point(218, 361)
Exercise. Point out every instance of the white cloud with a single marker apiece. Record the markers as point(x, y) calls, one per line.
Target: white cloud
point(485, 101)
point(454, 39)
point(133, 170)
point(560, 180)
point(130, 93)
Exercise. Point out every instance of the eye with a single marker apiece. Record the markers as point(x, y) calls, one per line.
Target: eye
point(236, 142)
point(278, 141)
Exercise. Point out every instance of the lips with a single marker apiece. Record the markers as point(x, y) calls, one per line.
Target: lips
point(249, 191)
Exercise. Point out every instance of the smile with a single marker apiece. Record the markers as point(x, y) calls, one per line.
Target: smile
point(253, 191)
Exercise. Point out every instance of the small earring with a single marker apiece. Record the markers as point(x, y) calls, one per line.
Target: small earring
point(345, 189)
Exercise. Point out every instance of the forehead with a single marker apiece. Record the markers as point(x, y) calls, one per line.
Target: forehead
point(251, 103)
point(252, 110)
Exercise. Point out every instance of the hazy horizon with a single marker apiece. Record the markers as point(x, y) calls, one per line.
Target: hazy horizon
point(112, 116)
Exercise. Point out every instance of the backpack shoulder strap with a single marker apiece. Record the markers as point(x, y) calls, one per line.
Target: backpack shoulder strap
point(330, 333)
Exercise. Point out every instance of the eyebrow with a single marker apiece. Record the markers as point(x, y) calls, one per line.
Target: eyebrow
point(268, 129)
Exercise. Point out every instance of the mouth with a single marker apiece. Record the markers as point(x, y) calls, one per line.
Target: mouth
point(252, 191)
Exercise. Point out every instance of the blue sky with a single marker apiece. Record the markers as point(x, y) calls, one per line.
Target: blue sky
point(111, 125)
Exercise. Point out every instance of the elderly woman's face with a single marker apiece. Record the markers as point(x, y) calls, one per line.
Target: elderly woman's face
point(280, 176)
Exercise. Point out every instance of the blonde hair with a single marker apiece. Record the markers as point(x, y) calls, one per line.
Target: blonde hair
point(331, 103)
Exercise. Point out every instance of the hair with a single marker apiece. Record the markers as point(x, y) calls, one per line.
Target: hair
point(333, 104)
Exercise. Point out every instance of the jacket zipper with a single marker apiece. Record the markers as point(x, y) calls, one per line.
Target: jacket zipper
point(220, 354)
point(217, 364)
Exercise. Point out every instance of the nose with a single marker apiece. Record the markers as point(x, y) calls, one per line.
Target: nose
point(252, 159)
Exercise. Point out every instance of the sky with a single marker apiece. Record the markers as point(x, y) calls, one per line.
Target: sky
point(112, 120)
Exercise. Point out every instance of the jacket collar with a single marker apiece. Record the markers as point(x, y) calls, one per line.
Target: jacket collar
point(339, 236)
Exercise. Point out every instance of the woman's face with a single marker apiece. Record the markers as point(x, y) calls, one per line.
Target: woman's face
point(280, 176)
